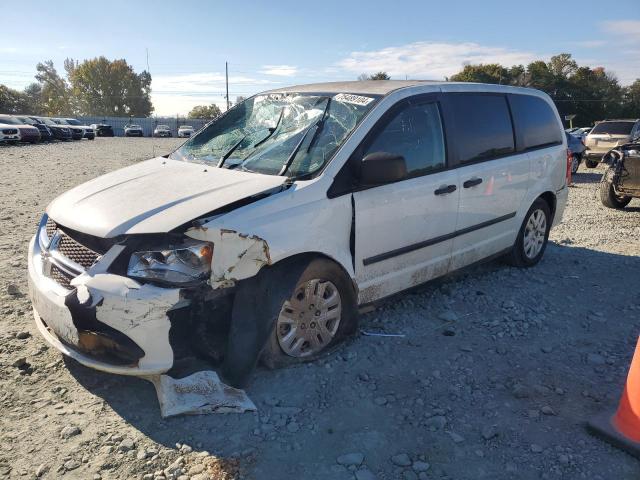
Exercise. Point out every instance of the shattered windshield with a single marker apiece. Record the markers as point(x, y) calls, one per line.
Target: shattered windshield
point(278, 134)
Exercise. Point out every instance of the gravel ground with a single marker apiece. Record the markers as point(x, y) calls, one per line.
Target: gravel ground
point(496, 375)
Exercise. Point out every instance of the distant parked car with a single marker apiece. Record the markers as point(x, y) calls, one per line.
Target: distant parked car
point(607, 135)
point(162, 131)
point(28, 133)
point(576, 151)
point(9, 133)
point(89, 133)
point(59, 132)
point(185, 131)
point(133, 131)
point(45, 132)
point(102, 129)
point(77, 132)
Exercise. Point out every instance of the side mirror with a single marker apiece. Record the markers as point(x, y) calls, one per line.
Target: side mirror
point(382, 167)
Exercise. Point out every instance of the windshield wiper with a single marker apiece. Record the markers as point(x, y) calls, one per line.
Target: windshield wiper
point(318, 126)
point(272, 130)
point(230, 151)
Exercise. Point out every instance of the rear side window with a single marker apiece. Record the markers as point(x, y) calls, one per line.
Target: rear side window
point(535, 121)
point(613, 128)
point(415, 132)
point(483, 126)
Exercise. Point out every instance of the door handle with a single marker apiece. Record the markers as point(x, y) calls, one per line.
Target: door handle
point(472, 182)
point(446, 189)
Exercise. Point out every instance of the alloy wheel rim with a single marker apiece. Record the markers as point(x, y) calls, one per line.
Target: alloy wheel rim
point(309, 320)
point(534, 234)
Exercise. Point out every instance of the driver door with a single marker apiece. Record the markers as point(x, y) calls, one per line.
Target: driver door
point(404, 230)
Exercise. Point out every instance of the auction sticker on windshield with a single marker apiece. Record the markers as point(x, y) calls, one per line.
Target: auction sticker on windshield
point(355, 99)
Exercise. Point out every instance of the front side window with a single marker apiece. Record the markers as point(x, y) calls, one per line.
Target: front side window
point(483, 126)
point(415, 132)
point(292, 134)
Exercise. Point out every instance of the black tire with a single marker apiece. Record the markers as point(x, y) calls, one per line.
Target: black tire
point(517, 257)
point(608, 195)
point(274, 357)
point(575, 163)
point(256, 308)
point(591, 163)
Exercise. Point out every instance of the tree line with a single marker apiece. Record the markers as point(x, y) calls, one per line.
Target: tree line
point(94, 87)
point(592, 94)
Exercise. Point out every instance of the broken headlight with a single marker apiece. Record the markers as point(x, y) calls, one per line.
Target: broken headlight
point(189, 263)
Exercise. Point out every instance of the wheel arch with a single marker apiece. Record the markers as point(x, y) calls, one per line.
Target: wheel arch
point(551, 200)
point(307, 257)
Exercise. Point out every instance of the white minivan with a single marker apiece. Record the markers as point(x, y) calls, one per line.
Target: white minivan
point(260, 237)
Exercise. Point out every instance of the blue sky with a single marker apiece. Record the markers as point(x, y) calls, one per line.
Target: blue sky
point(271, 44)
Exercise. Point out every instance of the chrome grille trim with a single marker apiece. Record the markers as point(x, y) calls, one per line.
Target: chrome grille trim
point(63, 257)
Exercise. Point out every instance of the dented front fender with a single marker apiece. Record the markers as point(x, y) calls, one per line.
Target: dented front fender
point(236, 255)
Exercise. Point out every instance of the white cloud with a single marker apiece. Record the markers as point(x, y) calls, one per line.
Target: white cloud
point(279, 70)
point(628, 31)
point(432, 60)
point(179, 93)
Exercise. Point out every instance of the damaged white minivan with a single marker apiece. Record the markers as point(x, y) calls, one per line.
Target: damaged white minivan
point(260, 237)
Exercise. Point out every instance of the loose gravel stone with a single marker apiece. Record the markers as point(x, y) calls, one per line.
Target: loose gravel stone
point(401, 459)
point(70, 431)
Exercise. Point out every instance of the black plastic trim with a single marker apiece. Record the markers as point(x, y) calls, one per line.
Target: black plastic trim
point(427, 243)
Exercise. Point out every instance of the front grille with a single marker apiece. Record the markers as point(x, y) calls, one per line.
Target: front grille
point(10, 131)
point(76, 252)
point(61, 277)
point(51, 227)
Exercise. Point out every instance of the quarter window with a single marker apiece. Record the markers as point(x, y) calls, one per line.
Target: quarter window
point(535, 121)
point(415, 132)
point(483, 124)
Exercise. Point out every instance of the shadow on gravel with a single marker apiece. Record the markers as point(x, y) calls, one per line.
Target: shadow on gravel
point(586, 177)
point(579, 284)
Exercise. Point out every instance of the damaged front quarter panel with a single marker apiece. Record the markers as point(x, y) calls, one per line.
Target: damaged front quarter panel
point(236, 255)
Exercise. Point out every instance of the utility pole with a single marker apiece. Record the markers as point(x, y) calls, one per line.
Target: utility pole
point(226, 74)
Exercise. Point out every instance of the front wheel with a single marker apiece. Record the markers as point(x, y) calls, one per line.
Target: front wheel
point(320, 311)
point(533, 236)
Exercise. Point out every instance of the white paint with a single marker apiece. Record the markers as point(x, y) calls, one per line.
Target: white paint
point(200, 393)
point(236, 256)
point(153, 196)
point(139, 311)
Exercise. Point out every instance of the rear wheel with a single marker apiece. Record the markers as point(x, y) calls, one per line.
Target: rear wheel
point(608, 195)
point(575, 162)
point(532, 237)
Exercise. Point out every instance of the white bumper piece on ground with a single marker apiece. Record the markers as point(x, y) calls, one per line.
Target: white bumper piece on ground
point(200, 393)
point(139, 311)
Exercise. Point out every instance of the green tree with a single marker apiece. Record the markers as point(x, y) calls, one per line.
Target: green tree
point(205, 111)
point(103, 87)
point(631, 106)
point(590, 93)
point(375, 76)
point(55, 93)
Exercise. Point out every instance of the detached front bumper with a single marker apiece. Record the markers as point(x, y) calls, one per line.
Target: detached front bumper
point(104, 321)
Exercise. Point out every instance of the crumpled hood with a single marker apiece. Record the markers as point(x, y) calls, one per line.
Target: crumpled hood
point(154, 196)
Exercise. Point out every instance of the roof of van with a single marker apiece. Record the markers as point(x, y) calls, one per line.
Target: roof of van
point(371, 87)
point(384, 87)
